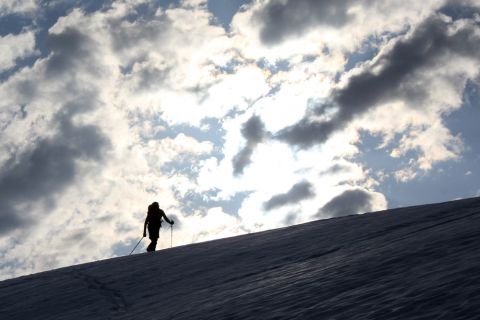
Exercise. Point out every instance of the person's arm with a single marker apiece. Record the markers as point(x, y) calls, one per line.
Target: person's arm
point(145, 227)
point(166, 219)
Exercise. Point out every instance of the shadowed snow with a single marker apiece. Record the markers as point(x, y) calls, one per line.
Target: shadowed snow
point(408, 263)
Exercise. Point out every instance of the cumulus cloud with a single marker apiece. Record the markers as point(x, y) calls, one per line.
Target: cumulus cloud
point(48, 168)
point(283, 29)
point(393, 75)
point(282, 19)
point(17, 6)
point(15, 47)
point(48, 158)
point(352, 202)
point(254, 132)
point(300, 191)
point(54, 137)
point(74, 131)
point(70, 49)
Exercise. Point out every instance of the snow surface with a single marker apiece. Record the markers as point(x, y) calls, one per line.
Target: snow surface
point(419, 262)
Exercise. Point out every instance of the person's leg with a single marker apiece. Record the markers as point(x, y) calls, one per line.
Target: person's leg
point(154, 244)
point(154, 234)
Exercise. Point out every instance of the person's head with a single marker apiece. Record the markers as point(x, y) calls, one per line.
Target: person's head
point(153, 207)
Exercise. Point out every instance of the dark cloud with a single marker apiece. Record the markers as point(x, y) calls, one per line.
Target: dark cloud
point(349, 202)
point(306, 132)
point(150, 78)
point(242, 159)
point(27, 89)
point(291, 218)
point(300, 191)
point(283, 19)
point(392, 76)
point(254, 132)
point(70, 49)
point(460, 9)
point(37, 175)
point(336, 168)
point(45, 170)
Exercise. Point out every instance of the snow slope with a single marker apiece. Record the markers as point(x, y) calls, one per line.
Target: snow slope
point(419, 262)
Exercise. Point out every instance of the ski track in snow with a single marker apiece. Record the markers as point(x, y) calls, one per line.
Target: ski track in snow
point(114, 297)
point(420, 262)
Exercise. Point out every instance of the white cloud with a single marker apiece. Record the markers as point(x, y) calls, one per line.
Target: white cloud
point(406, 174)
point(17, 6)
point(15, 47)
point(214, 224)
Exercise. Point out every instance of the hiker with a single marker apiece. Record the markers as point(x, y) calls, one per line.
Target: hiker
point(154, 221)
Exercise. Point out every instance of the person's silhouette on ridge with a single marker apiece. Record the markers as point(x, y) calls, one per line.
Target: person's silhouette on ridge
point(154, 222)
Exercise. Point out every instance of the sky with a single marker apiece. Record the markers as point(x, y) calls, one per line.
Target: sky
point(236, 116)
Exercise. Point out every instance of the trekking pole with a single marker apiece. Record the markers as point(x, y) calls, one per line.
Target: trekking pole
point(136, 245)
point(171, 235)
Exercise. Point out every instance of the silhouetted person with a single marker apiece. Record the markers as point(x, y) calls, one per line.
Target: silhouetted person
point(154, 222)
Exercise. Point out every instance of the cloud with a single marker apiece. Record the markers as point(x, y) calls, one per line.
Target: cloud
point(283, 29)
point(254, 132)
point(17, 6)
point(70, 49)
point(52, 143)
point(352, 202)
point(461, 8)
point(214, 224)
point(300, 191)
point(15, 47)
point(283, 19)
point(45, 170)
point(135, 40)
point(336, 168)
point(393, 75)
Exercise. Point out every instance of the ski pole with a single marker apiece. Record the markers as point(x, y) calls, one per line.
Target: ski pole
point(136, 245)
point(171, 235)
